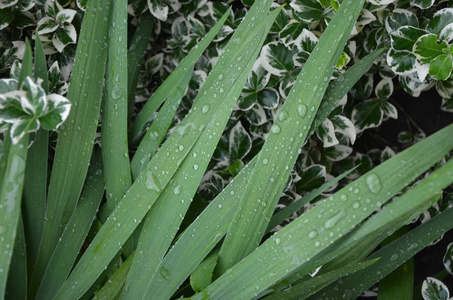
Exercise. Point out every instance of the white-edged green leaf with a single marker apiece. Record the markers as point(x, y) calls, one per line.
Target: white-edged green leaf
point(345, 126)
point(7, 3)
point(277, 58)
point(35, 101)
point(66, 15)
point(158, 9)
point(63, 36)
point(326, 132)
point(447, 104)
point(387, 153)
point(306, 41)
point(426, 48)
point(440, 20)
point(311, 178)
point(404, 38)
point(47, 25)
point(389, 110)
point(367, 114)
point(384, 89)
point(447, 33)
point(240, 142)
point(423, 4)
point(400, 17)
point(307, 10)
point(22, 126)
point(57, 111)
point(401, 62)
point(381, 2)
point(434, 289)
point(154, 63)
point(268, 98)
point(337, 152)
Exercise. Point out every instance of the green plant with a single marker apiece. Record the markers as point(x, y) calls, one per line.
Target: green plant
point(149, 235)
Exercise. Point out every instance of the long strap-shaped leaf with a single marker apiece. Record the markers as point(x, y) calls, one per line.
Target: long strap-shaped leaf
point(356, 245)
point(156, 133)
point(222, 88)
point(11, 185)
point(70, 242)
point(76, 137)
point(301, 241)
point(164, 219)
point(213, 223)
point(283, 144)
point(174, 80)
point(117, 171)
point(390, 257)
point(35, 186)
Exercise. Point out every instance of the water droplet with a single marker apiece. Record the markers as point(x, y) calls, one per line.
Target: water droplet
point(265, 161)
point(239, 58)
point(151, 182)
point(205, 109)
point(302, 110)
point(394, 257)
point(181, 147)
point(373, 183)
point(282, 115)
point(177, 190)
point(277, 241)
point(355, 205)
point(312, 234)
point(115, 92)
point(343, 197)
point(330, 223)
point(317, 243)
point(220, 77)
point(275, 129)
point(221, 90)
point(219, 205)
point(195, 167)
point(312, 108)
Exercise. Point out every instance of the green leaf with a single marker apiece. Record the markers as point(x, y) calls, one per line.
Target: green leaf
point(202, 276)
point(75, 140)
point(326, 132)
point(440, 68)
point(441, 19)
point(404, 38)
point(426, 48)
point(400, 17)
point(73, 237)
point(57, 112)
point(6, 17)
point(367, 114)
point(268, 98)
point(311, 178)
point(23, 126)
point(277, 58)
point(337, 152)
point(307, 10)
point(434, 289)
point(423, 4)
point(240, 142)
point(401, 62)
point(384, 89)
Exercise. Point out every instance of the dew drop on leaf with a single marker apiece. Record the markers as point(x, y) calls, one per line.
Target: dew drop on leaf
point(355, 205)
point(275, 129)
point(312, 234)
point(277, 241)
point(282, 115)
point(330, 223)
point(151, 182)
point(373, 183)
point(177, 190)
point(205, 109)
point(302, 110)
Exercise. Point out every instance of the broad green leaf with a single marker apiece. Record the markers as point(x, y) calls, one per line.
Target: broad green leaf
point(337, 152)
point(23, 126)
point(326, 132)
point(404, 38)
point(434, 289)
point(448, 258)
point(426, 48)
point(440, 68)
point(75, 140)
point(16, 287)
point(299, 243)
